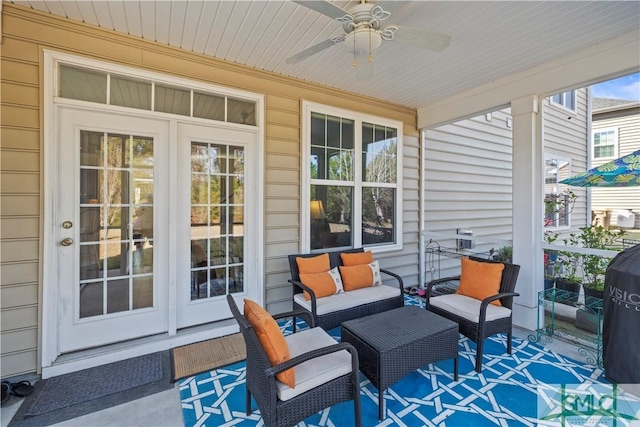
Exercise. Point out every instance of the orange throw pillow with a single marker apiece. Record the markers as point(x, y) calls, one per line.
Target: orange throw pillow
point(356, 276)
point(480, 280)
point(271, 338)
point(316, 264)
point(357, 258)
point(322, 284)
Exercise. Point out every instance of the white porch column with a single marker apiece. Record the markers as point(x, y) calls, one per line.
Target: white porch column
point(527, 207)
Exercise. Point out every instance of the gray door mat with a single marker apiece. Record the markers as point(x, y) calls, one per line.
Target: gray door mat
point(79, 393)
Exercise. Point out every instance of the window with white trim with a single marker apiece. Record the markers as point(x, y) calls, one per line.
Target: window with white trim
point(566, 99)
point(605, 143)
point(352, 179)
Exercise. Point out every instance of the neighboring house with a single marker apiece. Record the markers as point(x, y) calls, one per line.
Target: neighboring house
point(615, 133)
point(468, 176)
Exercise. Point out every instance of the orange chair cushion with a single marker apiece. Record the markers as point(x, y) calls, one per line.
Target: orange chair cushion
point(356, 276)
point(316, 264)
point(357, 258)
point(480, 280)
point(323, 284)
point(271, 338)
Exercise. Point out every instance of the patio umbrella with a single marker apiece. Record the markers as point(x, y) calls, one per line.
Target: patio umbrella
point(622, 172)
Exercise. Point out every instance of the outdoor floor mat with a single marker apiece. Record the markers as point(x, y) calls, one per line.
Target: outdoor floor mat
point(78, 393)
point(534, 386)
point(207, 355)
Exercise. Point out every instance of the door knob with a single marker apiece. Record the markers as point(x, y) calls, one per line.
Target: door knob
point(66, 242)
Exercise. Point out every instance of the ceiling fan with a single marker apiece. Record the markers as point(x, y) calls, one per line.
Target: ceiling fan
point(365, 31)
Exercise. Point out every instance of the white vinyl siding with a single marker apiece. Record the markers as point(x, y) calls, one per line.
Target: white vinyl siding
point(468, 184)
point(627, 122)
point(566, 137)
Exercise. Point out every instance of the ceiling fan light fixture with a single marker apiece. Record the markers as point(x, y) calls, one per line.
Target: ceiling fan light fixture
point(362, 40)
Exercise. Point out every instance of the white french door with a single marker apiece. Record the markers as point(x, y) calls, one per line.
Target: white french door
point(109, 201)
point(217, 215)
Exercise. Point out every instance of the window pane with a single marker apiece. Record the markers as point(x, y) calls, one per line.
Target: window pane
point(318, 125)
point(77, 83)
point(239, 111)
point(348, 136)
point(172, 100)
point(333, 131)
point(341, 165)
point(378, 208)
point(570, 99)
point(318, 163)
point(379, 157)
point(130, 93)
point(208, 106)
point(331, 216)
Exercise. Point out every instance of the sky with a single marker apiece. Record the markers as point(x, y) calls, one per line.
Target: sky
point(627, 87)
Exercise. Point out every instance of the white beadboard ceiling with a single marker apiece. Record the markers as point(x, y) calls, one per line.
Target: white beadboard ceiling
point(490, 39)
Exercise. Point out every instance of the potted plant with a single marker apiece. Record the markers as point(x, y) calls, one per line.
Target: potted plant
point(595, 266)
point(568, 279)
point(503, 254)
point(551, 266)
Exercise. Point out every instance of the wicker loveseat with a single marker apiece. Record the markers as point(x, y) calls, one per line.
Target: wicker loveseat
point(330, 311)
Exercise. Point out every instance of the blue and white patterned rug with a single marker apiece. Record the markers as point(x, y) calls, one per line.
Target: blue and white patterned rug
point(505, 393)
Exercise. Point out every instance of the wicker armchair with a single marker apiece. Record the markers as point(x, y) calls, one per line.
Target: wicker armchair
point(280, 405)
point(478, 320)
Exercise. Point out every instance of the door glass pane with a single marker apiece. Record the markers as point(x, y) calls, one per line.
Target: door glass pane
point(91, 299)
point(116, 223)
point(217, 215)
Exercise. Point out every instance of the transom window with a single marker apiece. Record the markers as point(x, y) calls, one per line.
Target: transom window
point(605, 143)
point(126, 91)
point(353, 193)
point(566, 99)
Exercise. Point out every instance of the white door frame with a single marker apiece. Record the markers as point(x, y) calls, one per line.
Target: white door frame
point(48, 316)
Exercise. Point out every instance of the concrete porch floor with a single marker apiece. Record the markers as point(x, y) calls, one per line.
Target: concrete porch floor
point(163, 409)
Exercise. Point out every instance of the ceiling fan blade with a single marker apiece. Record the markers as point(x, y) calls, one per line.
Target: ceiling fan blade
point(424, 39)
point(323, 7)
point(310, 51)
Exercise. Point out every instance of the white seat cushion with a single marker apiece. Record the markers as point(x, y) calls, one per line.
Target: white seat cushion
point(314, 372)
point(344, 300)
point(467, 307)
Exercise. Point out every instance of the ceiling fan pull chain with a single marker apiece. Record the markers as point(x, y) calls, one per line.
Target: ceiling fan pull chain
point(370, 54)
point(355, 63)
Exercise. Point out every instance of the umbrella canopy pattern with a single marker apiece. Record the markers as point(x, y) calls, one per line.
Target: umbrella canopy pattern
point(622, 172)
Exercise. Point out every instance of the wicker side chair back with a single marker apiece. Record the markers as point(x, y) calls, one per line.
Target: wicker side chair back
point(479, 331)
point(261, 381)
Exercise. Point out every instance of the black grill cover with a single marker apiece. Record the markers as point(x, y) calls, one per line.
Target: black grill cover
point(621, 324)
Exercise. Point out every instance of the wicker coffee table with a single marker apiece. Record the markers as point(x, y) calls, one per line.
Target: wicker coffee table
point(395, 343)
